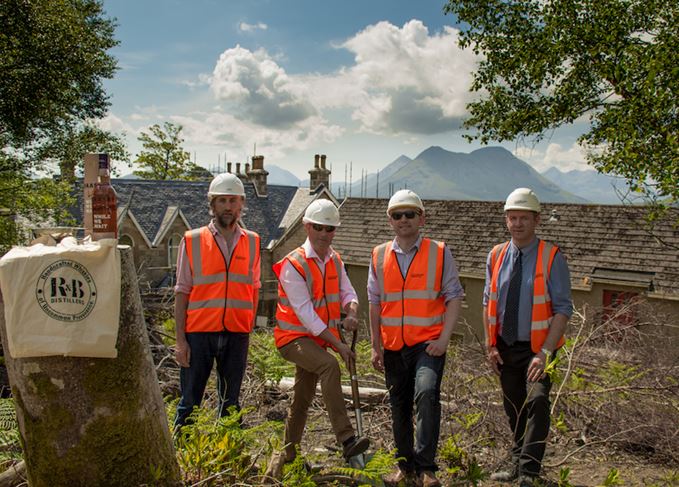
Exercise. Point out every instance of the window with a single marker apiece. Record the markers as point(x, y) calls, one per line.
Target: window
point(619, 311)
point(173, 250)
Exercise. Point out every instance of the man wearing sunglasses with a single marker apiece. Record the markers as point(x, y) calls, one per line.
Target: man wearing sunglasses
point(415, 297)
point(312, 292)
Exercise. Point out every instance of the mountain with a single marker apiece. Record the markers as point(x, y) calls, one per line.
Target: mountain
point(338, 188)
point(278, 175)
point(589, 184)
point(490, 173)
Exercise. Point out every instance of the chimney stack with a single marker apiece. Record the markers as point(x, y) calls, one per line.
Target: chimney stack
point(258, 175)
point(238, 169)
point(319, 174)
point(247, 167)
point(228, 167)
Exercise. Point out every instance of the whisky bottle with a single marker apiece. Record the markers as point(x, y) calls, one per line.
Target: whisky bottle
point(104, 207)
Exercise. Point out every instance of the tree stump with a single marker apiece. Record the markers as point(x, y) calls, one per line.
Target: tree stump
point(95, 421)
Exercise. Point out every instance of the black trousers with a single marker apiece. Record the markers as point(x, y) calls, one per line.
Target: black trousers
point(527, 406)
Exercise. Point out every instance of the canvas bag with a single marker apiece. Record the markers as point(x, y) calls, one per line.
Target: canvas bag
point(62, 300)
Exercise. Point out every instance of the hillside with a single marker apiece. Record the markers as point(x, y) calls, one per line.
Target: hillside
point(487, 174)
point(589, 184)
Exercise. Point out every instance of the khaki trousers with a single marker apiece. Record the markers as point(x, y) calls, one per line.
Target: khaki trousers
point(313, 363)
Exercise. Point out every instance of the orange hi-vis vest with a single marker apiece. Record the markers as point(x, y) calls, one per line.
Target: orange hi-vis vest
point(223, 293)
point(542, 302)
point(412, 309)
point(324, 290)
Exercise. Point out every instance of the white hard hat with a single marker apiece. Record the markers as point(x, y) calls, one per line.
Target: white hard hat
point(522, 199)
point(226, 184)
point(323, 212)
point(404, 198)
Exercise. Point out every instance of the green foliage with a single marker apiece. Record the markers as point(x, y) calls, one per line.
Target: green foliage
point(545, 64)
point(467, 421)
point(10, 440)
point(24, 200)
point(267, 364)
point(617, 374)
point(454, 456)
point(70, 146)
point(378, 465)
point(219, 446)
point(53, 60)
point(163, 156)
point(669, 479)
point(560, 423)
point(577, 380)
point(613, 478)
point(564, 477)
point(169, 331)
point(459, 463)
point(296, 474)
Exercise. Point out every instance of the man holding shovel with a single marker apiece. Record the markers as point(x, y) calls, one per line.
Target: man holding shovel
point(313, 290)
point(415, 297)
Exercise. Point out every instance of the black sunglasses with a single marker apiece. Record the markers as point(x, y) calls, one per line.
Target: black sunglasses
point(320, 228)
point(408, 214)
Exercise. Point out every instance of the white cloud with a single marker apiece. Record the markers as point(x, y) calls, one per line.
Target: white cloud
point(115, 124)
point(555, 155)
point(233, 135)
point(245, 27)
point(405, 80)
point(259, 89)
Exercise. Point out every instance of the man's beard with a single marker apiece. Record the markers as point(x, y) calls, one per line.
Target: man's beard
point(226, 220)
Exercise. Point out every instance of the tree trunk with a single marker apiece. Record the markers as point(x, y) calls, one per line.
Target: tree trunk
point(95, 421)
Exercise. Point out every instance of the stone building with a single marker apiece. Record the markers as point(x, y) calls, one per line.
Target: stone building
point(153, 216)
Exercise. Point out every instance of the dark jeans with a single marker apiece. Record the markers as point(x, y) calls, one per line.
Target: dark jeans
point(414, 377)
point(230, 351)
point(527, 406)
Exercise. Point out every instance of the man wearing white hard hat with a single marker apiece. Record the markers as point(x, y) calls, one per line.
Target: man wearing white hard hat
point(216, 297)
point(526, 306)
point(313, 290)
point(415, 297)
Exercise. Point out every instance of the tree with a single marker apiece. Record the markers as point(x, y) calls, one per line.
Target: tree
point(53, 60)
point(69, 148)
point(163, 156)
point(106, 422)
point(547, 63)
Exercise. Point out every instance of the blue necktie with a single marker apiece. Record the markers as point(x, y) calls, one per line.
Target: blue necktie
point(510, 325)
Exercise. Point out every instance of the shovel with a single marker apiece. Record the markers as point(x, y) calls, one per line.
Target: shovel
point(357, 461)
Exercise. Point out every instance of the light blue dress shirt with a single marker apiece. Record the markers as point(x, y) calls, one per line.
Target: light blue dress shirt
point(558, 285)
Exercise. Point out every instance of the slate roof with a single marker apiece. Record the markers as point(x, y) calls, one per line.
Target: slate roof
point(608, 238)
point(155, 204)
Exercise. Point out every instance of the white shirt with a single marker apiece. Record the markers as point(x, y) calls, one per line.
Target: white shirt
point(295, 288)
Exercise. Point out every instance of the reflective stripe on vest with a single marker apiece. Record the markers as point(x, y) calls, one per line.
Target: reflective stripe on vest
point(412, 309)
point(324, 291)
point(541, 313)
point(222, 296)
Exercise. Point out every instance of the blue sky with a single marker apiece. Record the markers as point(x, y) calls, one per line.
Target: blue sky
point(361, 81)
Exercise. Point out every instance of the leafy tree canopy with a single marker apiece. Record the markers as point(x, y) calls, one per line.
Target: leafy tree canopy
point(53, 59)
point(546, 63)
point(162, 156)
point(69, 147)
